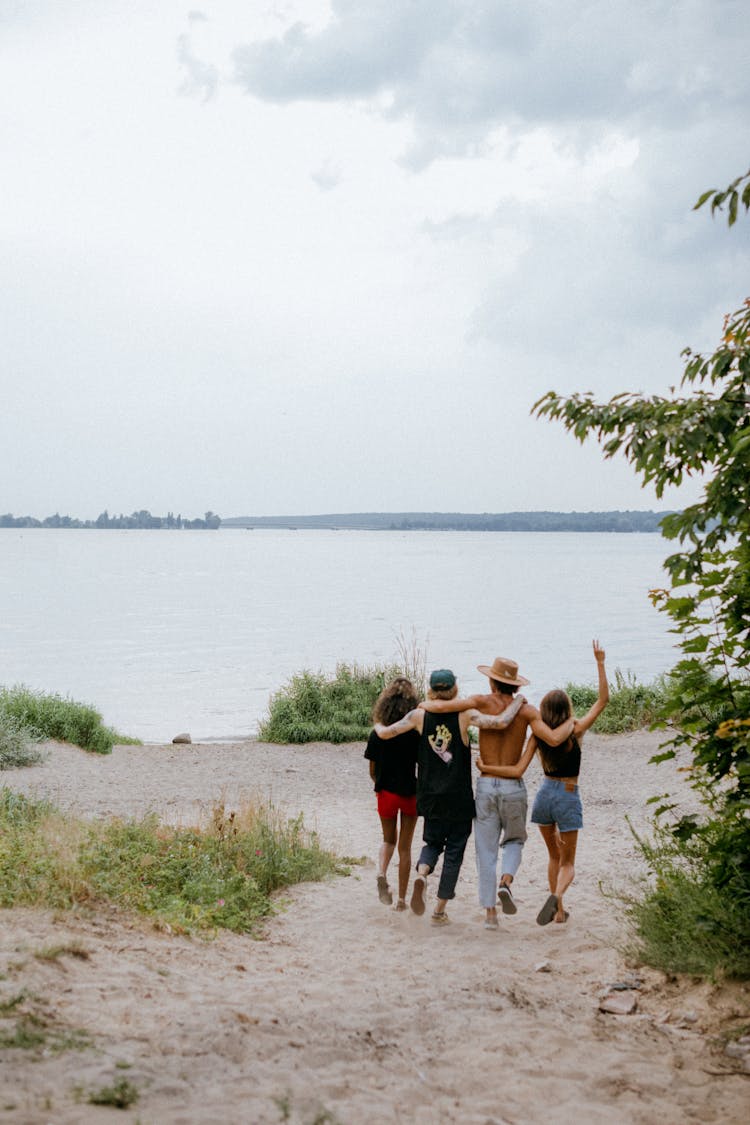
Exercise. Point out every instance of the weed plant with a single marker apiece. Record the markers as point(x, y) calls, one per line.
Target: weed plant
point(17, 744)
point(52, 716)
point(185, 878)
point(684, 919)
point(121, 1094)
point(631, 706)
point(315, 708)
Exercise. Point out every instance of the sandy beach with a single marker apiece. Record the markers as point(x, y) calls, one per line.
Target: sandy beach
point(345, 1011)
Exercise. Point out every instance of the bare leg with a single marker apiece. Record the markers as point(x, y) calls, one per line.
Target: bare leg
point(405, 836)
point(566, 870)
point(551, 837)
point(385, 855)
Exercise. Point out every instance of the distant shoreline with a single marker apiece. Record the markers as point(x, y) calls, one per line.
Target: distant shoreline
point(610, 521)
point(615, 521)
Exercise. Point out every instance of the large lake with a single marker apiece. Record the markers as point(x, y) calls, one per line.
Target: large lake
point(193, 630)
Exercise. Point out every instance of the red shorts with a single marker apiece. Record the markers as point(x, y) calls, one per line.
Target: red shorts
point(390, 804)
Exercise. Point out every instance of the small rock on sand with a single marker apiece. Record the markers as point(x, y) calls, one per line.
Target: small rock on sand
point(619, 1003)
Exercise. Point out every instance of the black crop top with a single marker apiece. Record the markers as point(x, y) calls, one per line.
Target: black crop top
point(561, 761)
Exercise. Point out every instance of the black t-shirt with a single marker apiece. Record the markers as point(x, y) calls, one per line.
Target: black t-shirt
point(444, 790)
point(395, 762)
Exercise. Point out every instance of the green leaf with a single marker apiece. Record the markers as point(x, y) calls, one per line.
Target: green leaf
point(665, 757)
point(732, 209)
point(706, 195)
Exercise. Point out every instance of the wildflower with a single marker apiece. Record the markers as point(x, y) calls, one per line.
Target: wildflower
point(220, 902)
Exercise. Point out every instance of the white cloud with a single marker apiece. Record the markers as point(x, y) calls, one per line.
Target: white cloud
point(200, 78)
point(423, 216)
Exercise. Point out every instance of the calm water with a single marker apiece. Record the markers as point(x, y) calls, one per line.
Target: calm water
point(171, 631)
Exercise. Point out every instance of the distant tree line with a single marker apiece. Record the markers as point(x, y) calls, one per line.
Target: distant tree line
point(461, 521)
point(138, 520)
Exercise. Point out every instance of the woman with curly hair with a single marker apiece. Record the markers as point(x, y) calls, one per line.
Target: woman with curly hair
point(393, 768)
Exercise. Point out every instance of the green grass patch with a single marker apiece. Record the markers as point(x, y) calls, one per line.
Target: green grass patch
point(51, 716)
point(121, 1094)
point(188, 879)
point(33, 1029)
point(632, 706)
point(313, 707)
point(17, 744)
point(68, 949)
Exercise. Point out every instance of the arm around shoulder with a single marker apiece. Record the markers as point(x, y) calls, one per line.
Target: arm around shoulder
point(518, 770)
point(448, 706)
point(412, 721)
point(497, 722)
point(553, 736)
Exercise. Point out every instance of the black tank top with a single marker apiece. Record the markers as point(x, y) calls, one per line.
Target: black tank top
point(561, 761)
point(444, 788)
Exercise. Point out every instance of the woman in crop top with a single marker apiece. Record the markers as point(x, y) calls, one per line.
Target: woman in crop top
point(557, 806)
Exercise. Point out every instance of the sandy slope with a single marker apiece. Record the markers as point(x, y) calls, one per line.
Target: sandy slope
point(348, 1012)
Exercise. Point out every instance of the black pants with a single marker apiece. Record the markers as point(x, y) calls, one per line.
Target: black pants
point(451, 837)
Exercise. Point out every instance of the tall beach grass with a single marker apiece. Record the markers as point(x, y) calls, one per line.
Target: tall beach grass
point(313, 707)
point(632, 706)
point(47, 715)
point(221, 875)
point(18, 744)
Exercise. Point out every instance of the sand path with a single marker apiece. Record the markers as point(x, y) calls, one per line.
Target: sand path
point(348, 1012)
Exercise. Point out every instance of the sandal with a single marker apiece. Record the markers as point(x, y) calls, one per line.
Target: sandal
point(548, 911)
point(384, 893)
point(439, 918)
point(417, 895)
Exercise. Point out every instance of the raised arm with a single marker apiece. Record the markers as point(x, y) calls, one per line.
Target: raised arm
point(516, 771)
point(413, 721)
point(497, 722)
point(582, 725)
point(444, 706)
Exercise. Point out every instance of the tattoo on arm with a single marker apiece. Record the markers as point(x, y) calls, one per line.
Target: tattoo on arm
point(400, 727)
point(497, 722)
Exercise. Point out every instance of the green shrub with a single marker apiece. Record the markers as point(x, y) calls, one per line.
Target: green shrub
point(121, 1094)
point(187, 878)
point(17, 744)
point(315, 708)
point(631, 706)
point(693, 914)
point(52, 716)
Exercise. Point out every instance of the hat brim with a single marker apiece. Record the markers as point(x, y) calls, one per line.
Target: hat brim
point(519, 681)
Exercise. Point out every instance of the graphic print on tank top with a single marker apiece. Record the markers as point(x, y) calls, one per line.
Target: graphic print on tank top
point(440, 742)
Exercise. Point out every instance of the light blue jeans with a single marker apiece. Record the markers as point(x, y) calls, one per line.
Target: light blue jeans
point(501, 813)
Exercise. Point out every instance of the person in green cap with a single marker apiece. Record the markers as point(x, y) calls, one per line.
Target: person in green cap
point(445, 797)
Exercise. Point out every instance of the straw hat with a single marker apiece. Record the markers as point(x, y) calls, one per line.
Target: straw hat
point(504, 670)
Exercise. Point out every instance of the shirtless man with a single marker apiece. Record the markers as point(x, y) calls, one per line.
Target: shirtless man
point(501, 803)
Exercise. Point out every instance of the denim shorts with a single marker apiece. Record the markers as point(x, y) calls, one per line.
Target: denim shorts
point(557, 803)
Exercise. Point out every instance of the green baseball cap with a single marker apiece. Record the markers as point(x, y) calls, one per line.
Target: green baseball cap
point(442, 679)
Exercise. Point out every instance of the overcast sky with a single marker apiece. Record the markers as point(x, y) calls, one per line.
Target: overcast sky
point(304, 256)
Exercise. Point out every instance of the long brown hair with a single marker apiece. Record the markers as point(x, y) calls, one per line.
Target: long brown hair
point(556, 707)
point(395, 701)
